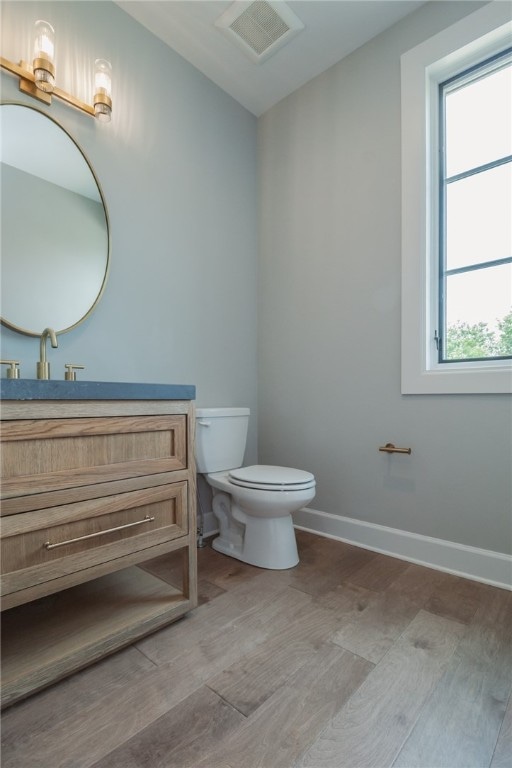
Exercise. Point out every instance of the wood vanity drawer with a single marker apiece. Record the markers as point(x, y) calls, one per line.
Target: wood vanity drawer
point(44, 455)
point(47, 544)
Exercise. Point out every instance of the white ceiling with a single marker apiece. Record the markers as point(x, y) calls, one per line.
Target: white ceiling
point(333, 29)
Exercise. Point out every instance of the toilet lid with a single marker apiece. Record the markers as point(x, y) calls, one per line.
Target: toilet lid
point(268, 478)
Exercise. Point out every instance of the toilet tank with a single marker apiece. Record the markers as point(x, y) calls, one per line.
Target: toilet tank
point(221, 434)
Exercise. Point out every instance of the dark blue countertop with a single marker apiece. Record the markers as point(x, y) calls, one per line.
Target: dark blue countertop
point(35, 389)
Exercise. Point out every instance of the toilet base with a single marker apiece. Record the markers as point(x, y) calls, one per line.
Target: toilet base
point(267, 543)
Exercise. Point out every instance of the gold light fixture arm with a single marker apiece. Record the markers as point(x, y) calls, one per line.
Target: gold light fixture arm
point(27, 85)
point(27, 80)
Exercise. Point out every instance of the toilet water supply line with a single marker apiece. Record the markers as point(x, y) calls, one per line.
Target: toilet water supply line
point(200, 527)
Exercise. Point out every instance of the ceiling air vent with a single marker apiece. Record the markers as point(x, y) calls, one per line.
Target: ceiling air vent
point(259, 28)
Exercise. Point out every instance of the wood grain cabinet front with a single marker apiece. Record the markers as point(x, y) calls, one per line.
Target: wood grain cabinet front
point(41, 546)
point(90, 489)
point(41, 457)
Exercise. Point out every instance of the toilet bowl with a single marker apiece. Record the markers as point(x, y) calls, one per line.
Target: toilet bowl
point(253, 504)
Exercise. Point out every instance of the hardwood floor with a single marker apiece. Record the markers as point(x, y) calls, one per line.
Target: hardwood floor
point(350, 659)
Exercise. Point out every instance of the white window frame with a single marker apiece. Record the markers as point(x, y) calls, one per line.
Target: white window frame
point(477, 37)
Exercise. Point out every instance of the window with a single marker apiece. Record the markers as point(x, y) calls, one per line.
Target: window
point(456, 208)
point(475, 213)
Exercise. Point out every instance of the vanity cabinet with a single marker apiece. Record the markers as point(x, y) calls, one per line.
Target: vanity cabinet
point(90, 491)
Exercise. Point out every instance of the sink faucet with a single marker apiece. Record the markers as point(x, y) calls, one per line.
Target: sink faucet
point(43, 367)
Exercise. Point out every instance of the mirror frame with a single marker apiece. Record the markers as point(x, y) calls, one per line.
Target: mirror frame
point(4, 321)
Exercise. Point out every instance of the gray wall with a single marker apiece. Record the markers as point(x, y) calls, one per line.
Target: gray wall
point(329, 315)
point(177, 166)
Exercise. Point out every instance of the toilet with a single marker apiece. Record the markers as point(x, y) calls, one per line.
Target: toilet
point(254, 505)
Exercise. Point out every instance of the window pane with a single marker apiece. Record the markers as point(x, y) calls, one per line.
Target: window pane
point(479, 122)
point(479, 218)
point(478, 313)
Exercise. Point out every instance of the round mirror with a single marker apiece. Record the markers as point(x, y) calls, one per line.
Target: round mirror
point(55, 235)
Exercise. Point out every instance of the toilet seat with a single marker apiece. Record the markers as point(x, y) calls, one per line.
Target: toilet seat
point(270, 478)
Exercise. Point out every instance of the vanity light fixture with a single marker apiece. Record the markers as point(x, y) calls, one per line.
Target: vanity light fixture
point(38, 80)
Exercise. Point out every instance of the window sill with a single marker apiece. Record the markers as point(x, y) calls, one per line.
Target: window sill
point(459, 379)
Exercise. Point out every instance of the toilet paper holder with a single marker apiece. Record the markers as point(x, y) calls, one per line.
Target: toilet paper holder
point(390, 448)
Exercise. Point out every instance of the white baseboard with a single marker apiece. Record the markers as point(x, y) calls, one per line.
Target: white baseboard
point(470, 562)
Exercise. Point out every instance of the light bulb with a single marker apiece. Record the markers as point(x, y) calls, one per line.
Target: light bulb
point(44, 50)
point(102, 90)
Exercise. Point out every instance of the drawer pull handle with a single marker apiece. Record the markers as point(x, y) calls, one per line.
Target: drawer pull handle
point(147, 519)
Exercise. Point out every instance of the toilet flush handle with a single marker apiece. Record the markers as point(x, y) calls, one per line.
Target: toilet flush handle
point(203, 423)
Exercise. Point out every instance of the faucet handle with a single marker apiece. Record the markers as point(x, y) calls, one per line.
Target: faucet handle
point(72, 368)
point(13, 372)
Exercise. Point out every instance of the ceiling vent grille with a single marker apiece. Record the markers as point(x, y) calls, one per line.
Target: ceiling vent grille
point(259, 28)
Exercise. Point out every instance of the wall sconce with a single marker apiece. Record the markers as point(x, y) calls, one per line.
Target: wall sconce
point(39, 80)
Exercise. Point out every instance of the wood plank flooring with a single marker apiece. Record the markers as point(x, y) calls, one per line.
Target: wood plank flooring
point(351, 659)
